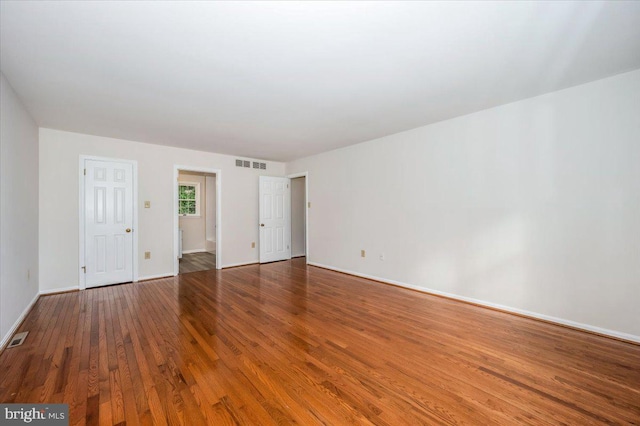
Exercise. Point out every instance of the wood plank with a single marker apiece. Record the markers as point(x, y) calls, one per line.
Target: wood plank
point(194, 262)
point(287, 343)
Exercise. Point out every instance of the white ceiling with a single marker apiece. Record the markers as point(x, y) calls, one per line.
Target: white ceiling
point(283, 80)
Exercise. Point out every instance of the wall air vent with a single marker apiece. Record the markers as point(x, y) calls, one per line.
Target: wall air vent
point(18, 339)
point(249, 164)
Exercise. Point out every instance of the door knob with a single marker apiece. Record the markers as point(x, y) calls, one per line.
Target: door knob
point(128, 230)
point(262, 224)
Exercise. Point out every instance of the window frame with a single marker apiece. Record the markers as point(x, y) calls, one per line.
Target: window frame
point(196, 185)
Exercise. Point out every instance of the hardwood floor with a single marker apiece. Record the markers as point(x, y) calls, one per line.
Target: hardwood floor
point(283, 343)
point(194, 262)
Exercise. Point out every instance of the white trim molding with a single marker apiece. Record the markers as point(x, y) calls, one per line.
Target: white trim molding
point(233, 265)
point(176, 217)
point(194, 251)
point(508, 309)
point(59, 290)
point(156, 277)
point(16, 325)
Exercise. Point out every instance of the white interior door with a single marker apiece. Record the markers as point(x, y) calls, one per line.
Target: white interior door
point(275, 219)
point(108, 215)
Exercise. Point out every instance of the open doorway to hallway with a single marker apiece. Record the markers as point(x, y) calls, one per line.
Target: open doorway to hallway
point(197, 211)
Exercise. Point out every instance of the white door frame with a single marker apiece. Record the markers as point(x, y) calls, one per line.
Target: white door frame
point(305, 175)
point(81, 216)
point(176, 219)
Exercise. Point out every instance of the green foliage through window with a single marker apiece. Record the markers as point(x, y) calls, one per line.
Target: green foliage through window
point(187, 201)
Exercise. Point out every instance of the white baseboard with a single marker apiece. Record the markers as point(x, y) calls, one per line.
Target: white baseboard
point(58, 290)
point(194, 251)
point(560, 321)
point(156, 277)
point(233, 265)
point(298, 255)
point(14, 327)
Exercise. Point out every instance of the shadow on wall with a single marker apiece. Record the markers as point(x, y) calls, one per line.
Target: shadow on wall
point(492, 262)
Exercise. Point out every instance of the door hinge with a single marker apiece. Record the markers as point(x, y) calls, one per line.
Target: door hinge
point(85, 172)
point(84, 268)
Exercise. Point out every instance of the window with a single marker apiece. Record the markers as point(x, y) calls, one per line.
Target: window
point(189, 199)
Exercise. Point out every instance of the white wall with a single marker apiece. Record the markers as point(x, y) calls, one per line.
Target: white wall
point(59, 153)
point(18, 210)
point(193, 227)
point(534, 206)
point(210, 205)
point(298, 217)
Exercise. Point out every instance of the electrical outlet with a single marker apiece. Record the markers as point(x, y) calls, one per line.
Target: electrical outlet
point(147, 204)
point(147, 255)
point(381, 256)
point(253, 244)
point(362, 253)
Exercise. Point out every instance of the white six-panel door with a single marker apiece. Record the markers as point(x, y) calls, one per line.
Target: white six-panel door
point(108, 215)
point(275, 219)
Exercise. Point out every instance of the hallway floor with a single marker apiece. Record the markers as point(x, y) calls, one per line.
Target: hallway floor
point(194, 262)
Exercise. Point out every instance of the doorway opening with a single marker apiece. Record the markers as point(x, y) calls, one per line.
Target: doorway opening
point(298, 217)
point(197, 219)
point(300, 206)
